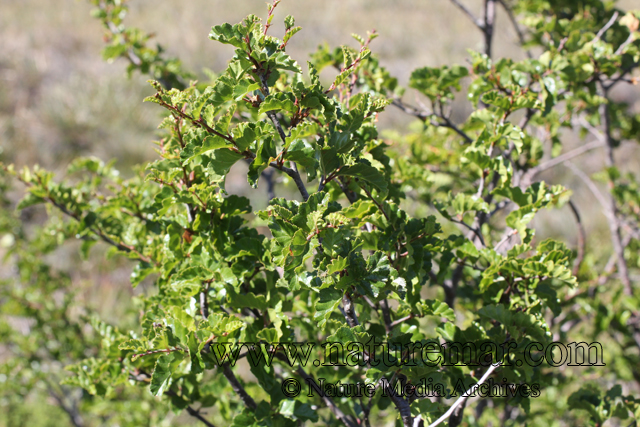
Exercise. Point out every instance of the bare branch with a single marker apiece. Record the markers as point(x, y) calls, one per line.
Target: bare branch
point(622, 75)
point(423, 115)
point(516, 27)
point(71, 410)
point(95, 230)
point(628, 41)
point(293, 170)
point(489, 23)
point(386, 315)
point(592, 187)
point(506, 238)
point(581, 239)
point(614, 221)
point(531, 173)
point(400, 403)
point(349, 311)
point(196, 414)
point(237, 387)
point(461, 399)
point(351, 196)
point(478, 23)
point(204, 302)
point(293, 173)
point(401, 320)
point(472, 229)
point(606, 27)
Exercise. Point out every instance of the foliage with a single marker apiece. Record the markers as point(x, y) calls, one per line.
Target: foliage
point(356, 257)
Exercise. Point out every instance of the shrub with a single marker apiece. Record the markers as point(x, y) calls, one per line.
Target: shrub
point(414, 240)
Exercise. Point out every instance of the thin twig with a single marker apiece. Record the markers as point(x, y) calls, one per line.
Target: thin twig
point(592, 187)
point(196, 414)
point(622, 75)
point(403, 319)
point(341, 416)
point(606, 27)
point(507, 236)
point(193, 412)
point(628, 41)
point(516, 27)
point(531, 173)
point(293, 173)
point(461, 399)
point(71, 411)
point(614, 221)
point(423, 115)
point(293, 170)
point(581, 239)
point(204, 302)
point(478, 23)
point(386, 315)
point(121, 246)
point(489, 22)
point(472, 229)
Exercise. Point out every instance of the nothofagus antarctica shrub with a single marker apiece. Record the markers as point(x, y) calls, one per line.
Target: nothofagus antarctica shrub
point(392, 279)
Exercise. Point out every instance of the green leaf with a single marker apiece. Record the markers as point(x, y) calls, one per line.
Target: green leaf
point(297, 410)
point(221, 161)
point(161, 377)
point(328, 301)
point(436, 308)
point(366, 173)
point(276, 102)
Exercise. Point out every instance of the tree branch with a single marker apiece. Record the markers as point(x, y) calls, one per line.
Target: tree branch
point(271, 185)
point(592, 187)
point(606, 27)
point(531, 173)
point(196, 414)
point(614, 221)
point(423, 115)
point(341, 416)
point(237, 387)
point(193, 412)
point(470, 228)
point(400, 403)
point(293, 170)
point(70, 410)
point(582, 238)
point(293, 173)
point(103, 236)
point(516, 27)
point(386, 316)
point(478, 23)
point(629, 40)
point(489, 22)
point(349, 311)
point(461, 399)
